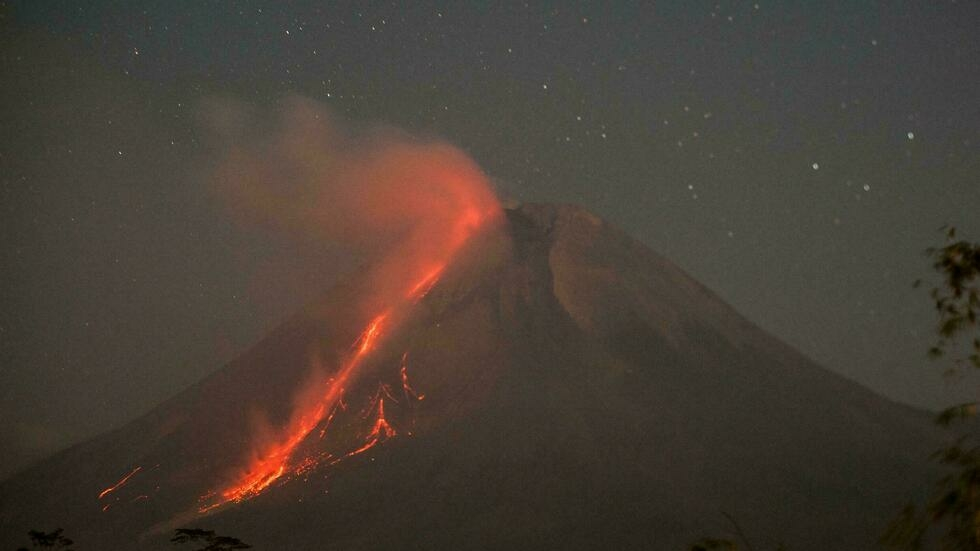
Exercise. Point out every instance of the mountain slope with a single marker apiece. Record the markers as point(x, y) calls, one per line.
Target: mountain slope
point(564, 387)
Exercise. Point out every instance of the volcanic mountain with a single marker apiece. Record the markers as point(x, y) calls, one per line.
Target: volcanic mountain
point(558, 386)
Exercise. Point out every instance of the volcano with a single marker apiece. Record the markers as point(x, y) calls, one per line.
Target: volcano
point(557, 385)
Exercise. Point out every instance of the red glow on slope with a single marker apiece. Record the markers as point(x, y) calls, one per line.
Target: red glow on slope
point(271, 462)
point(333, 412)
point(423, 287)
point(370, 335)
point(410, 203)
point(379, 432)
point(406, 387)
point(119, 484)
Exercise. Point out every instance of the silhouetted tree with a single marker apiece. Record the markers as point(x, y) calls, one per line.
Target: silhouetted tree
point(210, 540)
point(952, 512)
point(951, 515)
point(52, 540)
point(714, 544)
point(726, 544)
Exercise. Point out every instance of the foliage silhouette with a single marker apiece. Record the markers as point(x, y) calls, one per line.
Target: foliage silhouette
point(52, 540)
point(726, 544)
point(951, 515)
point(210, 540)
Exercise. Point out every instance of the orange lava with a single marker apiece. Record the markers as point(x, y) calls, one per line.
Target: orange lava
point(423, 287)
point(406, 387)
point(379, 432)
point(428, 199)
point(119, 484)
point(273, 461)
point(333, 412)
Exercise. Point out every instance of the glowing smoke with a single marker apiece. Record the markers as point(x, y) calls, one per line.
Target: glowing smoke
point(409, 204)
point(403, 201)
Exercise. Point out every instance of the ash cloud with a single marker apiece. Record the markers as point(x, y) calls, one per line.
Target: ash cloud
point(402, 201)
point(409, 204)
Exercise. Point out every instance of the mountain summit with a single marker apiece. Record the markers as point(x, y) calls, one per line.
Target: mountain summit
point(559, 385)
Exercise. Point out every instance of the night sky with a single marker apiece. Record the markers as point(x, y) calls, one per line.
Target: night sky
point(796, 157)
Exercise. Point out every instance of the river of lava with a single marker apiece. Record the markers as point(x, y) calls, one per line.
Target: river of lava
point(119, 484)
point(122, 482)
point(274, 460)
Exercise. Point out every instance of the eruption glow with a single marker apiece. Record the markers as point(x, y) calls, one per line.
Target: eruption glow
point(273, 460)
point(119, 484)
point(411, 204)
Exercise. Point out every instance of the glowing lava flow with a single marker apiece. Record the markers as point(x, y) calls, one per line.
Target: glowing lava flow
point(273, 460)
point(425, 285)
point(119, 484)
point(406, 387)
point(379, 432)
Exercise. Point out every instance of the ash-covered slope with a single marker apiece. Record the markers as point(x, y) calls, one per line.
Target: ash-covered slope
point(579, 392)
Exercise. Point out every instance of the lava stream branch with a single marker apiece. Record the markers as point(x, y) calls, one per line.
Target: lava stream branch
point(274, 460)
point(411, 204)
point(119, 484)
point(406, 386)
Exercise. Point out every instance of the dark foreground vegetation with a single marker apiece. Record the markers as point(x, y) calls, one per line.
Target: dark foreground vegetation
point(203, 540)
point(949, 520)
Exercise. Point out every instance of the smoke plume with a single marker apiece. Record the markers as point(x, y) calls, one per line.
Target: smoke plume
point(409, 204)
point(405, 202)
